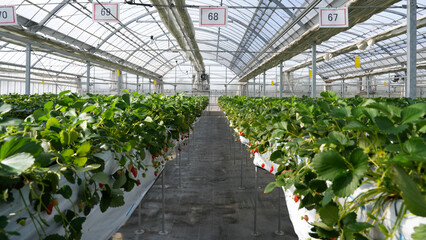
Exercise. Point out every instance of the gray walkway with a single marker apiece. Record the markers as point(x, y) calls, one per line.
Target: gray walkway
point(210, 205)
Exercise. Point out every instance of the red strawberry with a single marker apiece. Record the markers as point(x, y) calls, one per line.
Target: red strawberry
point(255, 151)
point(180, 149)
point(155, 173)
point(134, 171)
point(306, 218)
point(139, 183)
point(239, 140)
point(263, 165)
point(251, 151)
point(49, 208)
point(272, 169)
point(296, 198)
point(333, 238)
point(101, 185)
point(153, 157)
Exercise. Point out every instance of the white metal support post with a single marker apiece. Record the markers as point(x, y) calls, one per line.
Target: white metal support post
point(314, 70)
point(367, 79)
point(281, 79)
point(119, 80)
point(137, 83)
point(88, 77)
point(254, 86)
point(389, 87)
point(264, 84)
point(27, 70)
point(226, 90)
point(410, 83)
point(343, 88)
point(149, 84)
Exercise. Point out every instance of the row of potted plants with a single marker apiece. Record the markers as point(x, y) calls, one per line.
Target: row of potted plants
point(343, 143)
point(47, 138)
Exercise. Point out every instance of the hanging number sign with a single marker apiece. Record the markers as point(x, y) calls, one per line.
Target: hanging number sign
point(106, 12)
point(310, 73)
point(155, 82)
point(8, 16)
point(213, 16)
point(333, 17)
point(272, 83)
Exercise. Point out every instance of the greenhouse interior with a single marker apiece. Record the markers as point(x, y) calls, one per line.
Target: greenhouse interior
point(222, 119)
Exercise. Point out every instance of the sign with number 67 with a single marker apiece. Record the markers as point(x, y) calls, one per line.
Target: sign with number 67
point(106, 12)
point(333, 17)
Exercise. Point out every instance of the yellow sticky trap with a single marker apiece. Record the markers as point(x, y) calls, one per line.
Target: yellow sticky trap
point(385, 84)
point(42, 81)
point(118, 73)
point(357, 61)
point(155, 82)
point(272, 83)
point(310, 73)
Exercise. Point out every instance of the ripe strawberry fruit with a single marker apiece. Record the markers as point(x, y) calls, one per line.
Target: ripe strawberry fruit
point(134, 171)
point(49, 208)
point(296, 198)
point(306, 218)
point(272, 169)
point(101, 185)
point(263, 165)
point(139, 183)
point(155, 173)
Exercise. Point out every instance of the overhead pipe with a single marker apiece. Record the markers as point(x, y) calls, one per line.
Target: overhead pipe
point(175, 24)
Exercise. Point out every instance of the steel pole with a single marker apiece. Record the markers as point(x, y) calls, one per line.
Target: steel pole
point(410, 83)
point(27, 70)
point(314, 70)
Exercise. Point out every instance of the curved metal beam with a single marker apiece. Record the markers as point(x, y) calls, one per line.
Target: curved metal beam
point(210, 44)
point(49, 16)
point(123, 26)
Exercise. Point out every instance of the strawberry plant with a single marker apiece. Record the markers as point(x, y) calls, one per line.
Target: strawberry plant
point(327, 148)
point(49, 143)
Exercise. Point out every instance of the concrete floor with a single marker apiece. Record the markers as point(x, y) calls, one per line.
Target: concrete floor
point(209, 204)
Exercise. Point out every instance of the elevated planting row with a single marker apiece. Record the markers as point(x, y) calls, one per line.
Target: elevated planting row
point(73, 167)
point(350, 168)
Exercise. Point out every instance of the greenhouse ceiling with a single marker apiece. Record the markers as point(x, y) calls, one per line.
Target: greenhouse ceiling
point(258, 36)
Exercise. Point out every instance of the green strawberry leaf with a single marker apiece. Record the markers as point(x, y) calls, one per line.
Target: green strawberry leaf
point(329, 214)
point(328, 165)
point(413, 198)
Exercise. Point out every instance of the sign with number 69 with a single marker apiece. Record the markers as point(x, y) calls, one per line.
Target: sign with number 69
point(214, 16)
point(106, 12)
point(333, 17)
point(8, 16)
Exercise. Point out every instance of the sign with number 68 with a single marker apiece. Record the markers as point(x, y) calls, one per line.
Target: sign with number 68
point(333, 17)
point(214, 16)
point(106, 12)
point(8, 16)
